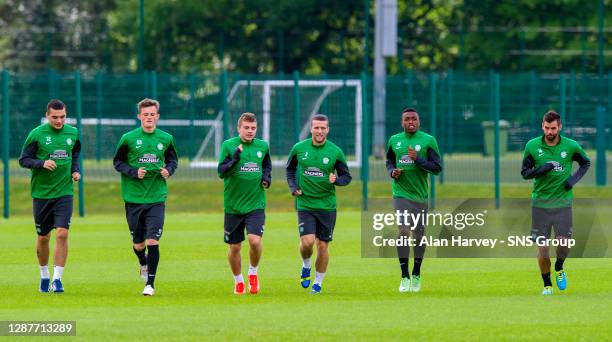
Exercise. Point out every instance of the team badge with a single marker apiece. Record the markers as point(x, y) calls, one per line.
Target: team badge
point(325, 160)
point(399, 143)
point(259, 154)
point(417, 148)
point(160, 146)
point(69, 141)
point(563, 154)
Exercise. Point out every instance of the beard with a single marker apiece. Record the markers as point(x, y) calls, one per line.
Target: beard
point(551, 137)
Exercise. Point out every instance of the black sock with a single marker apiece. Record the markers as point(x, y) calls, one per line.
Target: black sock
point(404, 267)
point(416, 266)
point(152, 261)
point(546, 278)
point(559, 264)
point(142, 258)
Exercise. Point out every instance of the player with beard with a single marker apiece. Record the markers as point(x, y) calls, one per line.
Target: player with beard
point(314, 168)
point(548, 160)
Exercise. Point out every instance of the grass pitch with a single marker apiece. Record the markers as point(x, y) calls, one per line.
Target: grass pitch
point(461, 299)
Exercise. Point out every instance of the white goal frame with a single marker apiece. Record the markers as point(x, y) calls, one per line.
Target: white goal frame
point(329, 87)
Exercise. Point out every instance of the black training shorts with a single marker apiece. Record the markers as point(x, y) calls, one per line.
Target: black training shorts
point(146, 221)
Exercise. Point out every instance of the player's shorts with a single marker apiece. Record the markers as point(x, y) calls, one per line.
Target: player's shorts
point(235, 224)
point(319, 223)
point(146, 221)
point(413, 207)
point(51, 213)
point(543, 220)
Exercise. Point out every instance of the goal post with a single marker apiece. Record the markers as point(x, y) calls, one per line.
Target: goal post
point(273, 102)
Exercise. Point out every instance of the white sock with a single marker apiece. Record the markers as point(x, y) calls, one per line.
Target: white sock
point(57, 272)
point(252, 270)
point(306, 263)
point(238, 278)
point(44, 272)
point(319, 278)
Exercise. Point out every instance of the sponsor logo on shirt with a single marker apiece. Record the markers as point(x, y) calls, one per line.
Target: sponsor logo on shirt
point(148, 158)
point(558, 166)
point(249, 167)
point(59, 154)
point(405, 160)
point(314, 172)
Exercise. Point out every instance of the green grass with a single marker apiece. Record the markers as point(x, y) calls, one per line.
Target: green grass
point(462, 299)
point(104, 197)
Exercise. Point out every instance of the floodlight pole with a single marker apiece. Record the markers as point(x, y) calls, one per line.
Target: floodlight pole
point(385, 44)
point(141, 36)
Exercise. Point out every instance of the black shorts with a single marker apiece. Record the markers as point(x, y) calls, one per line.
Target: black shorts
point(51, 213)
point(412, 207)
point(235, 224)
point(320, 223)
point(543, 220)
point(146, 221)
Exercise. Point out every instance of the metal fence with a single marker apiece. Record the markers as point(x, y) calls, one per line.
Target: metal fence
point(472, 115)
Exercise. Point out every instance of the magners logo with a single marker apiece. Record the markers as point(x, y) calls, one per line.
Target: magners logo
point(314, 172)
point(405, 160)
point(148, 158)
point(59, 154)
point(249, 167)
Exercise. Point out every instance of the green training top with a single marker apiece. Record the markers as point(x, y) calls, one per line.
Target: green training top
point(43, 143)
point(243, 174)
point(549, 189)
point(314, 165)
point(152, 151)
point(412, 182)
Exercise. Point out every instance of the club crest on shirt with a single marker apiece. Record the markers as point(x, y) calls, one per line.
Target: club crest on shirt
point(563, 154)
point(69, 141)
point(160, 146)
point(399, 143)
point(325, 160)
point(259, 154)
point(417, 148)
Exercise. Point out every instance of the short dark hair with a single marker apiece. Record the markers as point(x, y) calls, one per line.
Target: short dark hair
point(551, 116)
point(319, 117)
point(147, 103)
point(55, 104)
point(248, 117)
point(409, 110)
